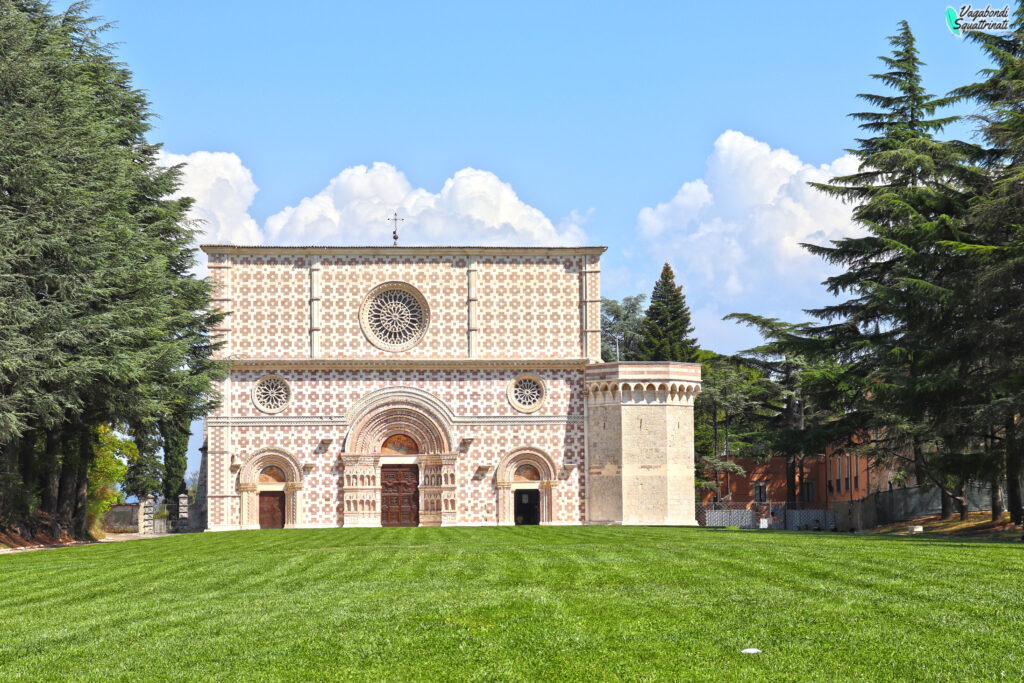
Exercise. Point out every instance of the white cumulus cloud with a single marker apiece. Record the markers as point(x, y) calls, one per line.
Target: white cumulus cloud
point(223, 190)
point(739, 228)
point(472, 207)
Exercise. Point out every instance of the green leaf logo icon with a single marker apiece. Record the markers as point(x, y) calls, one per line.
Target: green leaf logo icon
point(952, 22)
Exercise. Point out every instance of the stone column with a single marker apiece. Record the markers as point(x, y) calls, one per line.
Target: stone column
point(148, 508)
point(314, 306)
point(471, 306)
point(547, 503)
point(218, 484)
point(247, 506)
point(182, 523)
point(448, 494)
point(505, 517)
point(590, 308)
point(293, 491)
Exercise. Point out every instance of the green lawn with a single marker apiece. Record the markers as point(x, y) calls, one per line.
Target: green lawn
point(526, 603)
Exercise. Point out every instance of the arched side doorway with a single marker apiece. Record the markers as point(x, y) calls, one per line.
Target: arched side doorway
point(524, 480)
point(270, 486)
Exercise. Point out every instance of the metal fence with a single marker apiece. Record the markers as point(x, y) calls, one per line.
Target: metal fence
point(913, 502)
point(765, 516)
point(877, 509)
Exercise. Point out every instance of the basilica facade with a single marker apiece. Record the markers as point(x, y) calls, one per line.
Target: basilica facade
point(405, 386)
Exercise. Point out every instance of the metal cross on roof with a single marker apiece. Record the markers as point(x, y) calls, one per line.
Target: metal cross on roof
point(396, 220)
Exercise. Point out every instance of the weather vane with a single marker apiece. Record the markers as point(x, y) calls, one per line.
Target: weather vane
point(396, 220)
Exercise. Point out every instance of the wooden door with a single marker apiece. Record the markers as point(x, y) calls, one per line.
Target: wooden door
point(399, 495)
point(272, 509)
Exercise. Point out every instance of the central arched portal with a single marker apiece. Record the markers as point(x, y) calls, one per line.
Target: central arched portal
point(399, 461)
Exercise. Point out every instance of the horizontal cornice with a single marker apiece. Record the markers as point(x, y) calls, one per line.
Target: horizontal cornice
point(383, 364)
point(341, 421)
point(401, 251)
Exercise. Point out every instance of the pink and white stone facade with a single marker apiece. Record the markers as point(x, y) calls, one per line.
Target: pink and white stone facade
point(491, 317)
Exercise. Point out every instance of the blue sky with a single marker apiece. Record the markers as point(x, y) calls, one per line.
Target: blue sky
point(666, 131)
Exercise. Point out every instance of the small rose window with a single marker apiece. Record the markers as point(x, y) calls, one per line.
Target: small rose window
point(271, 394)
point(527, 393)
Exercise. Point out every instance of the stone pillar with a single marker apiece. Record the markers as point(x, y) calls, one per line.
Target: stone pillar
point(448, 495)
point(314, 306)
point(547, 502)
point(148, 508)
point(247, 506)
point(590, 308)
point(471, 306)
point(219, 267)
point(181, 524)
point(504, 509)
point(293, 491)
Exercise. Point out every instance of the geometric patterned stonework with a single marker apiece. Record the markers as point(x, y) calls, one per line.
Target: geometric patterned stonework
point(495, 315)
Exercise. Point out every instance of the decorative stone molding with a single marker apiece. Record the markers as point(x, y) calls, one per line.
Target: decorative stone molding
point(343, 421)
point(271, 394)
point(394, 316)
point(407, 364)
point(263, 457)
point(399, 410)
point(526, 392)
point(216, 249)
point(642, 383)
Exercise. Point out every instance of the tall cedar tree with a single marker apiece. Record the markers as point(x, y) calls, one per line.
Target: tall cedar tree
point(787, 423)
point(994, 245)
point(104, 322)
point(667, 332)
point(899, 370)
point(728, 420)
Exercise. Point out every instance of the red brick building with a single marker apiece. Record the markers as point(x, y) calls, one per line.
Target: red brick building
point(824, 480)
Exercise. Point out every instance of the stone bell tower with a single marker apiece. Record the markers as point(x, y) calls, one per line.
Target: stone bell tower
point(639, 423)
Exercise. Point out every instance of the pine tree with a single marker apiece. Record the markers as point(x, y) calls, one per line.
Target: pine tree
point(899, 369)
point(993, 245)
point(667, 332)
point(727, 418)
point(104, 322)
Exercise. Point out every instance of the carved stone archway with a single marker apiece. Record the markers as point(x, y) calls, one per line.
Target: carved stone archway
point(250, 486)
point(507, 483)
point(379, 418)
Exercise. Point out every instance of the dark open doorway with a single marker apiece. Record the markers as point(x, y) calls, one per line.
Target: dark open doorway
point(527, 506)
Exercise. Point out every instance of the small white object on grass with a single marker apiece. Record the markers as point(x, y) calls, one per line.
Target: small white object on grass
point(751, 651)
